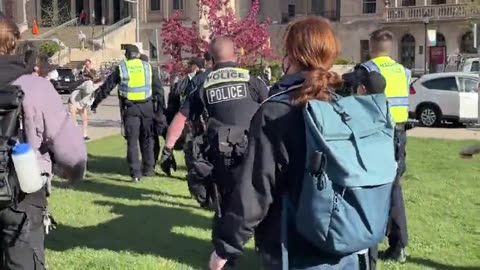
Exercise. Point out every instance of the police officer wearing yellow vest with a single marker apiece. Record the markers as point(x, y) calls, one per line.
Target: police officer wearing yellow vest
point(228, 97)
point(397, 83)
point(139, 90)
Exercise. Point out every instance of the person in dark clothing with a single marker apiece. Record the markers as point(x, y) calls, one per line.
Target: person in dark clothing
point(48, 129)
point(139, 89)
point(275, 161)
point(179, 122)
point(159, 120)
point(397, 77)
point(230, 97)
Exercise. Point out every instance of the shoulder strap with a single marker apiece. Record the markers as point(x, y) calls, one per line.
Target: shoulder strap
point(370, 66)
point(283, 96)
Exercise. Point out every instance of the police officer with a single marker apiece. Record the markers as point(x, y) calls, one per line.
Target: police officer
point(139, 88)
point(159, 119)
point(229, 97)
point(397, 78)
point(179, 121)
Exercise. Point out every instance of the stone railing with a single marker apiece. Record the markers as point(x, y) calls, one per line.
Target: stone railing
point(439, 12)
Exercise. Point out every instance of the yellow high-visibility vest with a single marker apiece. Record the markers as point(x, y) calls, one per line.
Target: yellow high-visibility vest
point(135, 80)
point(397, 88)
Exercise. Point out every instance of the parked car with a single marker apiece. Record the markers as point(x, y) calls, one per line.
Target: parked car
point(66, 82)
point(438, 97)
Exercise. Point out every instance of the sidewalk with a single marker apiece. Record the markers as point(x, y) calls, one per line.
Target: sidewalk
point(445, 133)
point(106, 122)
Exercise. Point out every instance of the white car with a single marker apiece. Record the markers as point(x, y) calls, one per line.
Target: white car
point(451, 96)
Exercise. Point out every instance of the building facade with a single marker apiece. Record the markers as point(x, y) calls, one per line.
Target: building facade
point(353, 20)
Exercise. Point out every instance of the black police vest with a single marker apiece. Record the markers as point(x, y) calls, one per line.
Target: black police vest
point(228, 98)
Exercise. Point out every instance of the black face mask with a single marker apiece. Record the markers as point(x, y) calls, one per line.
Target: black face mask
point(285, 67)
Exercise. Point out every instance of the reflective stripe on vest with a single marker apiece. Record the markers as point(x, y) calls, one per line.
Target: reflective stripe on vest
point(226, 75)
point(135, 80)
point(397, 78)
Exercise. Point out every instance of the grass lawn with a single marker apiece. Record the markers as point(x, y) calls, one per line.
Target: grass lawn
point(107, 222)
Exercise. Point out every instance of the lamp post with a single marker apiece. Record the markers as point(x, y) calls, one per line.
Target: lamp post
point(426, 20)
point(103, 32)
point(137, 19)
point(93, 30)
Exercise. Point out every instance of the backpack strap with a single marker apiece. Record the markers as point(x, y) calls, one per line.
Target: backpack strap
point(283, 96)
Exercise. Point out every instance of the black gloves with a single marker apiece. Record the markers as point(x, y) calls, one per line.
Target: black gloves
point(167, 162)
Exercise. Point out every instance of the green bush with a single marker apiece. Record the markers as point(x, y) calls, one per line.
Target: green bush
point(343, 61)
point(49, 48)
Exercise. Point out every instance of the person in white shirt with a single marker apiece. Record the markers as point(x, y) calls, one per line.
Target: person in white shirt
point(79, 102)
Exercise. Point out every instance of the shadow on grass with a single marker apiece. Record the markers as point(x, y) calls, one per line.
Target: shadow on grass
point(141, 229)
point(107, 164)
point(118, 165)
point(117, 191)
point(438, 266)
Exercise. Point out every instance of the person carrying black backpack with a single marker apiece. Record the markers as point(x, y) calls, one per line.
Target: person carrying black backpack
point(31, 112)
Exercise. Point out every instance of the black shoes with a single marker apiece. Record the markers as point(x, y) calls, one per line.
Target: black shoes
point(149, 174)
point(395, 254)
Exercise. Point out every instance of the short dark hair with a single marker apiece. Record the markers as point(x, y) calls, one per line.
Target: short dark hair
point(381, 35)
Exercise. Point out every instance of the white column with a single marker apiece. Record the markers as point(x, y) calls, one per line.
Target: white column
point(55, 11)
point(396, 3)
point(425, 2)
point(110, 15)
point(73, 9)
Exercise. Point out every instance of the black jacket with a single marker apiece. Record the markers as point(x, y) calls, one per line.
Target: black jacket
point(223, 112)
point(274, 164)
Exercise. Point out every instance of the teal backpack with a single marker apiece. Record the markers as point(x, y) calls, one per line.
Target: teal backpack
point(344, 201)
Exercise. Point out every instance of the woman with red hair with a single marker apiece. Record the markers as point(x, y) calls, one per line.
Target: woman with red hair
point(275, 160)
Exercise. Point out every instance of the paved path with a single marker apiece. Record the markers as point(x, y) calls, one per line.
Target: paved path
point(445, 133)
point(106, 122)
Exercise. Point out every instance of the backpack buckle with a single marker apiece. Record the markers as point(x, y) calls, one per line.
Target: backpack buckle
point(317, 167)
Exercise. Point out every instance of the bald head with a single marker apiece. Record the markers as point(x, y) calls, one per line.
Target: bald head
point(381, 42)
point(222, 49)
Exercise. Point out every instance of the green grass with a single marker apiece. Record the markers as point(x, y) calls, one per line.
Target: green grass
point(107, 222)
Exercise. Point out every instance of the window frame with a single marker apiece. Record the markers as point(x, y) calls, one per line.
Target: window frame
point(366, 3)
point(461, 83)
point(159, 5)
point(454, 78)
point(181, 5)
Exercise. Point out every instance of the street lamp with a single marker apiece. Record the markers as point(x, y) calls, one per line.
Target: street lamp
point(103, 32)
point(137, 19)
point(426, 20)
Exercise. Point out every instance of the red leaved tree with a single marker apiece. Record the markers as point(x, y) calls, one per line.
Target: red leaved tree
point(181, 41)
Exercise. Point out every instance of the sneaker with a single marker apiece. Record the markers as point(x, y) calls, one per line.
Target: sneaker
point(86, 138)
point(395, 254)
point(136, 179)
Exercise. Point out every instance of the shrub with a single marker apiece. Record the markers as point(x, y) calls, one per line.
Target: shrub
point(343, 61)
point(49, 48)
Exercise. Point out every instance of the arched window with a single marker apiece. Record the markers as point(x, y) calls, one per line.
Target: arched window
point(407, 51)
point(441, 40)
point(466, 43)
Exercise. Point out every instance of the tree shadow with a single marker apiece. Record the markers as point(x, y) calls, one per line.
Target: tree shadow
point(439, 266)
point(118, 191)
point(144, 229)
point(107, 164)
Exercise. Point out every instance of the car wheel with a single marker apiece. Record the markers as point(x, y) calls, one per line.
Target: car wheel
point(429, 116)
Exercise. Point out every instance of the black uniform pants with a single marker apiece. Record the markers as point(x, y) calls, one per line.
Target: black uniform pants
point(22, 238)
point(397, 231)
point(138, 123)
point(397, 234)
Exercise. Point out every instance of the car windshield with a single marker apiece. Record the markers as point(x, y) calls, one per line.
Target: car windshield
point(65, 72)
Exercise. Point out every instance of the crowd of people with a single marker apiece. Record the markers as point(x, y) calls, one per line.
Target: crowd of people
point(295, 165)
